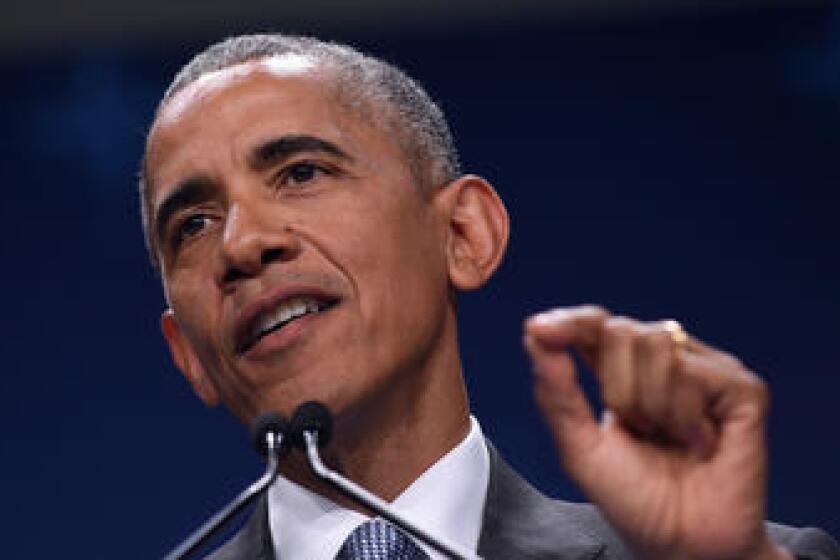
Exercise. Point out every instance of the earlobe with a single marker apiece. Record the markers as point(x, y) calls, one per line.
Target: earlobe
point(478, 231)
point(186, 360)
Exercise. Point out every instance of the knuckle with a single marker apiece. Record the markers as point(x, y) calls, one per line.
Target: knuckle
point(657, 340)
point(733, 362)
point(619, 328)
point(756, 392)
point(593, 310)
point(759, 390)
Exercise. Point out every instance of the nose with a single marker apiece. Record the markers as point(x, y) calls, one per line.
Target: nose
point(253, 238)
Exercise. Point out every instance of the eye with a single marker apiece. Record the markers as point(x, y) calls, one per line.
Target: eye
point(300, 173)
point(191, 226)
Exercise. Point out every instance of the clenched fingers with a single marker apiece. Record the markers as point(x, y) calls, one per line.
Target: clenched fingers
point(658, 387)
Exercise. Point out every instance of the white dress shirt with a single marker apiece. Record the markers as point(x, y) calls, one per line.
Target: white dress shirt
point(447, 500)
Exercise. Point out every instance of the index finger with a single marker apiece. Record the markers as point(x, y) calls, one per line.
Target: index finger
point(579, 326)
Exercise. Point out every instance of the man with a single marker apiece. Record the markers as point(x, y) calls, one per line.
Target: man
point(306, 209)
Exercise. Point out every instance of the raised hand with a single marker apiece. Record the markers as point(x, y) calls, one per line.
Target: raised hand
point(677, 463)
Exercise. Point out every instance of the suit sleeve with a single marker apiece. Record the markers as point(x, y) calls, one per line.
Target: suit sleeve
point(806, 544)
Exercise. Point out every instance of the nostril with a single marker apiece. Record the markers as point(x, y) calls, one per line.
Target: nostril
point(232, 275)
point(272, 255)
point(241, 270)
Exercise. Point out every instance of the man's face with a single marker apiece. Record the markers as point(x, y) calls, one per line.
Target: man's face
point(298, 258)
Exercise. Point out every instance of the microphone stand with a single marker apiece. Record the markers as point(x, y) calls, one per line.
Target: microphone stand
point(201, 535)
point(374, 502)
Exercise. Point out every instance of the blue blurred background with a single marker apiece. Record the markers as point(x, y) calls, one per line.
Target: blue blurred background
point(675, 160)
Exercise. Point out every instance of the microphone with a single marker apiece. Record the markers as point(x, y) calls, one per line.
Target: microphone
point(311, 428)
point(268, 435)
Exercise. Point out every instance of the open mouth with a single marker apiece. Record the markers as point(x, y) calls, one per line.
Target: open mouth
point(280, 316)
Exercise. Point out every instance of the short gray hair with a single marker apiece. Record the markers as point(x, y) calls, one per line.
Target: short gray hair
point(374, 88)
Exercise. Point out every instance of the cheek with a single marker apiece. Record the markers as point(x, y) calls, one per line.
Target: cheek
point(399, 271)
point(194, 302)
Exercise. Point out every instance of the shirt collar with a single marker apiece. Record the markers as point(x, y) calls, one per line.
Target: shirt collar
point(447, 499)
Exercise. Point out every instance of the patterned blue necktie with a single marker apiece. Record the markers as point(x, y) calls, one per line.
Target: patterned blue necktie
point(379, 540)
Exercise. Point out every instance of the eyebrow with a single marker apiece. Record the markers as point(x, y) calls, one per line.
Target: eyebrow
point(278, 149)
point(271, 152)
point(186, 193)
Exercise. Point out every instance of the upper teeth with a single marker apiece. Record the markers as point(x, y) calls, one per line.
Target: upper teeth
point(286, 311)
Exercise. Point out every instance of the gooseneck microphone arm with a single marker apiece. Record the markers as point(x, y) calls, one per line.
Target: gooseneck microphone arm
point(271, 444)
point(374, 502)
point(311, 427)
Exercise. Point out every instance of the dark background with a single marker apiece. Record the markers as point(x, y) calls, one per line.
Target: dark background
point(668, 163)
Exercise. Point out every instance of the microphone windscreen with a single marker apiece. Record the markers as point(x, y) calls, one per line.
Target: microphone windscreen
point(311, 416)
point(267, 422)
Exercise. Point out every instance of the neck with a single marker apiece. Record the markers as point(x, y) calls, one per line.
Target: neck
point(386, 444)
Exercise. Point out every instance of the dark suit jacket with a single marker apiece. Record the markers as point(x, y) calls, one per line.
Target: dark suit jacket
point(521, 523)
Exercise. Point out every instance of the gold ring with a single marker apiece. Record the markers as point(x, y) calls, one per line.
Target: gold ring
point(677, 332)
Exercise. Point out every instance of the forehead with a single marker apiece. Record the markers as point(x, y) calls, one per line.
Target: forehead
point(214, 84)
point(239, 100)
point(240, 106)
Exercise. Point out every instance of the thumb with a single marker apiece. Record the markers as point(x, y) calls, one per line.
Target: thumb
point(562, 402)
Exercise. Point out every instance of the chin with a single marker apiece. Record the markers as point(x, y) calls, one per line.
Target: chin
point(284, 397)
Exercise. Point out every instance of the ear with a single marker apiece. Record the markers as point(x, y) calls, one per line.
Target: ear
point(186, 360)
point(478, 230)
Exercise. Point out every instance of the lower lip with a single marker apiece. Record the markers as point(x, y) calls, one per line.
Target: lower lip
point(285, 337)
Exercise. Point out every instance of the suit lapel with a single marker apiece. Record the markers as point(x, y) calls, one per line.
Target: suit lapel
point(253, 541)
point(520, 522)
